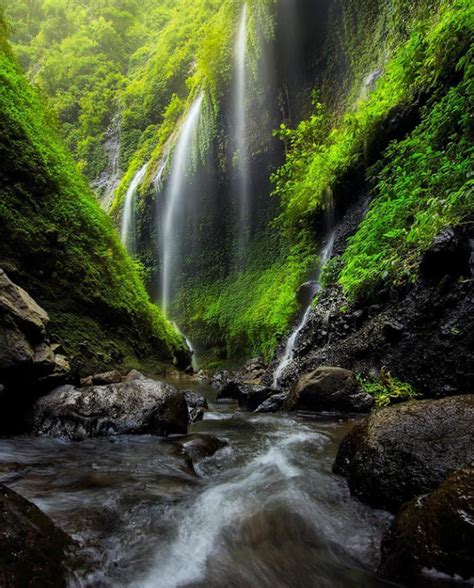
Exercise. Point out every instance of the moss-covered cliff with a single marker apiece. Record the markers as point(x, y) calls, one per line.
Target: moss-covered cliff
point(59, 245)
point(368, 97)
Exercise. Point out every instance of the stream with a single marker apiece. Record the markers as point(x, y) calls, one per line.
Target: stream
point(263, 511)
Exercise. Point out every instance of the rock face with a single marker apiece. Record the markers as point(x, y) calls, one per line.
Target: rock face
point(434, 532)
point(28, 359)
point(397, 453)
point(197, 405)
point(33, 550)
point(423, 334)
point(329, 389)
point(136, 407)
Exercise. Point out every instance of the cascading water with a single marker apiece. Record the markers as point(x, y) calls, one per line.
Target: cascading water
point(127, 231)
point(240, 133)
point(174, 200)
point(293, 339)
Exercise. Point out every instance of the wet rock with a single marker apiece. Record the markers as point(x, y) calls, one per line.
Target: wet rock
point(134, 375)
point(249, 396)
point(112, 377)
point(273, 404)
point(399, 452)
point(34, 551)
point(29, 362)
point(449, 254)
point(200, 446)
point(434, 532)
point(197, 405)
point(329, 389)
point(135, 407)
point(220, 379)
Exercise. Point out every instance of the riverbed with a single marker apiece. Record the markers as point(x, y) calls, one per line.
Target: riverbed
point(265, 510)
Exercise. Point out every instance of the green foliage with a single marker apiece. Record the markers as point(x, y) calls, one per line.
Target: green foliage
point(387, 390)
point(421, 182)
point(61, 247)
point(248, 313)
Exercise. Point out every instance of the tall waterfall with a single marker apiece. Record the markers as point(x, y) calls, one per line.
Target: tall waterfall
point(175, 199)
point(293, 339)
point(240, 132)
point(128, 228)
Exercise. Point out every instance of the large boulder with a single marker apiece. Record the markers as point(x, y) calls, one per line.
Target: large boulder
point(138, 406)
point(329, 389)
point(33, 550)
point(434, 532)
point(406, 450)
point(273, 404)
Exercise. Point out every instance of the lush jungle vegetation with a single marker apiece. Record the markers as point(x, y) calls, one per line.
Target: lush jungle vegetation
point(140, 65)
point(59, 245)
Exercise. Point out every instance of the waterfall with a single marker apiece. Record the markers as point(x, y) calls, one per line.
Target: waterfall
point(175, 199)
point(127, 231)
point(240, 133)
point(293, 338)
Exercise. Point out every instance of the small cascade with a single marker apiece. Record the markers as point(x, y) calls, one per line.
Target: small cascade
point(240, 133)
point(127, 231)
point(194, 363)
point(109, 179)
point(293, 339)
point(174, 210)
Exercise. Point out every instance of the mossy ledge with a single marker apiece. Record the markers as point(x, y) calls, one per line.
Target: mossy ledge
point(58, 244)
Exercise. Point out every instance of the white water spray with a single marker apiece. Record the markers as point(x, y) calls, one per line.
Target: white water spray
point(240, 130)
point(174, 200)
point(127, 231)
point(293, 339)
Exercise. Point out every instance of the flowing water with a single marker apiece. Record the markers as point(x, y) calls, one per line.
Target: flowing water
point(128, 227)
point(240, 131)
point(293, 338)
point(263, 511)
point(175, 196)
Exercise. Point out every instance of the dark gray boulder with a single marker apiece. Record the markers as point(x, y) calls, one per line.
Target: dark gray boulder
point(134, 407)
point(273, 404)
point(403, 451)
point(434, 532)
point(33, 551)
point(200, 446)
point(329, 389)
point(249, 396)
point(197, 405)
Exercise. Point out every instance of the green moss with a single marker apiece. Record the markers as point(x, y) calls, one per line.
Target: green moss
point(61, 247)
point(387, 390)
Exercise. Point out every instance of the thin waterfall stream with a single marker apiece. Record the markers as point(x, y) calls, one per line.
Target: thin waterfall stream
point(240, 132)
point(292, 341)
point(127, 229)
point(175, 196)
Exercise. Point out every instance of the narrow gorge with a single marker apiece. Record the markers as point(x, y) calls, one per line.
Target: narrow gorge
point(236, 303)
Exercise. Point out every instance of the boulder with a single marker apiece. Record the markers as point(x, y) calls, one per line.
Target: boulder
point(134, 407)
point(197, 405)
point(406, 450)
point(329, 389)
point(273, 404)
point(200, 446)
point(434, 532)
point(112, 377)
point(33, 551)
point(249, 396)
point(134, 375)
